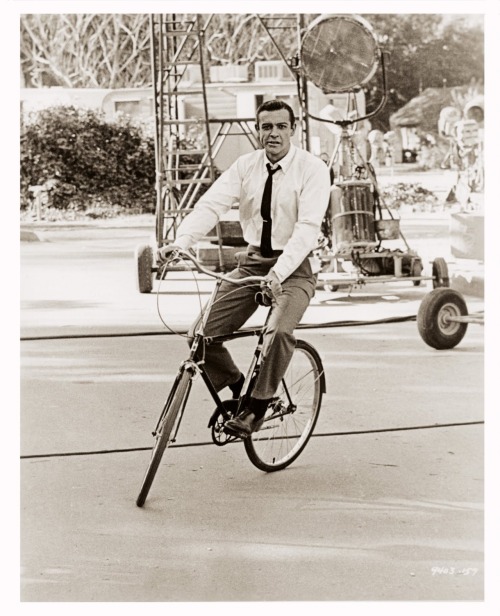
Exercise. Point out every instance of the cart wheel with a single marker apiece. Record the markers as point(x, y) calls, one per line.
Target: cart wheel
point(330, 288)
point(144, 260)
point(440, 276)
point(435, 318)
point(416, 270)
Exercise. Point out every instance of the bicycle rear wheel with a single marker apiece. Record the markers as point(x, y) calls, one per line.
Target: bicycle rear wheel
point(292, 415)
point(170, 412)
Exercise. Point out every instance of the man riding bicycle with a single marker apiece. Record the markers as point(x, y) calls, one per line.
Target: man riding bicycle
point(282, 193)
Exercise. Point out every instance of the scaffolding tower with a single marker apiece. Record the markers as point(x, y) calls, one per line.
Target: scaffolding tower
point(186, 145)
point(184, 160)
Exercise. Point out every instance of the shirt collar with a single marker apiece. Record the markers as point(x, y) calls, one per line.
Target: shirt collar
point(285, 162)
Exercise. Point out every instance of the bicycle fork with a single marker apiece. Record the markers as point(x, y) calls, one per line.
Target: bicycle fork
point(190, 367)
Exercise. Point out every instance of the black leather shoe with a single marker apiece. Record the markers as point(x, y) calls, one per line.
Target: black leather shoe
point(243, 425)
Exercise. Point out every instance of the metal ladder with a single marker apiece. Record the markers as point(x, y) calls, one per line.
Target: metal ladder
point(183, 145)
point(186, 147)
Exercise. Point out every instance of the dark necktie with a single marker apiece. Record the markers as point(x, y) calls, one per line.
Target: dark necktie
point(266, 248)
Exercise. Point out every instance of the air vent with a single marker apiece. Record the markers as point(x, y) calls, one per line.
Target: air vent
point(272, 70)
point(229, 73)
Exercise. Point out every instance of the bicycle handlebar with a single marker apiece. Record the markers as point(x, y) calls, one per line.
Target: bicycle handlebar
point(261, 297)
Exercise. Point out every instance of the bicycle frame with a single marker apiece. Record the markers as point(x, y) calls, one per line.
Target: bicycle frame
point(302, 403)
point(194, 366)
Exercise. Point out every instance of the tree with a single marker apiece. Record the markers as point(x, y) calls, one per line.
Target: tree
point(113, 50)
point(424, 52)
point(85, 51)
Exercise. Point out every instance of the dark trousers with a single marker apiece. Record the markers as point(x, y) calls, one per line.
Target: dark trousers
point(235, 305)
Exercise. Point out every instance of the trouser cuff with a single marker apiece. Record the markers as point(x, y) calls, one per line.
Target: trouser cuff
point(258, 406)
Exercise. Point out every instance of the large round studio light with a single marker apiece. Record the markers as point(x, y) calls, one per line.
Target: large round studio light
point(339, 52)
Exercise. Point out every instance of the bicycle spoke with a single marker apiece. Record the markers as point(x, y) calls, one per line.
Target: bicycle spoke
point(293, 415)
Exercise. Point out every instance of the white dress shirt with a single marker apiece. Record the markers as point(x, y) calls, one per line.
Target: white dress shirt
point(300, 195)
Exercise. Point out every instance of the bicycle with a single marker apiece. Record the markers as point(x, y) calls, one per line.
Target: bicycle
point(291, 415)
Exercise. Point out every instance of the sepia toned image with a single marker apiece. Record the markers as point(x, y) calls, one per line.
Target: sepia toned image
point(252, 299)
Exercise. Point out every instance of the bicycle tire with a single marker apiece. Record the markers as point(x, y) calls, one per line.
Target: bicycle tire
point(286, 432)
point(170, 412)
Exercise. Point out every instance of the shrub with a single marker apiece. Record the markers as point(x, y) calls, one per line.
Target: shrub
point(409, 194)
point(84, 161)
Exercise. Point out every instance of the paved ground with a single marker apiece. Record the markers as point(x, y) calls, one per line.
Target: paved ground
point(389, 491)
point(385, 504)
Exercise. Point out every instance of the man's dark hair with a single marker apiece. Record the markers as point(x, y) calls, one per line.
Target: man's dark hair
point(276, 105)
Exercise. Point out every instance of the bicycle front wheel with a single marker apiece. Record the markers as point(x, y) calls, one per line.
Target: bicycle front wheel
point(170, 412)
point(292, 415)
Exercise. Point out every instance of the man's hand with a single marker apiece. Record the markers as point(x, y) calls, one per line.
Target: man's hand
point(163, 254)
point(273, 285)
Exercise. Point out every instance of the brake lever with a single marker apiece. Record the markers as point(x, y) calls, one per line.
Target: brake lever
point(264, 297)
point(169, 259)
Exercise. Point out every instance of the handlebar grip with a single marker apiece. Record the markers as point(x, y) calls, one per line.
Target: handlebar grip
point(180, 254)
point(263, 299)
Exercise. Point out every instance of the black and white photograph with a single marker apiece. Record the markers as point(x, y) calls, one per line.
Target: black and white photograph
point(248, 364)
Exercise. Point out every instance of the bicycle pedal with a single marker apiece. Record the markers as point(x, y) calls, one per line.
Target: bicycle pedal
point(218, 419)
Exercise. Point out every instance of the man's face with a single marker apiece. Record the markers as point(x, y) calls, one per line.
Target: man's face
point(275, 132)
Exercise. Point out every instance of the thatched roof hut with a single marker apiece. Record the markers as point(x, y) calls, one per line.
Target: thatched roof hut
point(423, 111)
